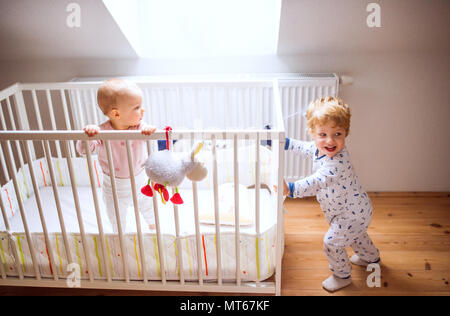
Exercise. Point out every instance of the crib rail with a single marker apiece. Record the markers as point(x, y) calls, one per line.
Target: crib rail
point(137, 135)
point(64, 138)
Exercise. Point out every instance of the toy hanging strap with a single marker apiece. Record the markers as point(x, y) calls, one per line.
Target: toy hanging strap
point(167, 129)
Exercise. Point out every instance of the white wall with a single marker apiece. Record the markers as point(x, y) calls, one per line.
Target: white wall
point(400, 98)
point(400, 104)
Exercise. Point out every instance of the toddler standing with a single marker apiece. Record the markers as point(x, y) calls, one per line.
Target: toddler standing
point(346, 205)
point(121, 102)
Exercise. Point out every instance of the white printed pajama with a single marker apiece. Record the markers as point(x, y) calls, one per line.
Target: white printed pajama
point(348, 232)
point(346, 205)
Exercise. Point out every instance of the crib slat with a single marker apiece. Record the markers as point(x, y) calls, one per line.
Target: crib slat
point(12, 245)
point(149, 146)
point(36, 109)
point(297, 123)
point(97, 209)
point(257, 206)
point(12, 171)
point(244, 104)
point(67, 120)
point(2, 160)
point(2, 270)
point(18, 148)
point(5, 220)
point(79, 215)
point(12, 242)
point(94, 107)
point(159, 241)
point(23, 122)
point(177, 240)
point(2, 118)
point(52, 119)
point(65, 111)
point(57, 201)
point(136, 211)
point(216, 213)
point(197, 225)
point(4, 168)
point(280, 215)
point(41, 213)
point(7, 227)
point(148, 109)
point(197, 234)
point(13, 125)
point(112, 175)
point(236, 212)
point(38, 113)
point(177, 230)
point(19, 197)
point(80, 108)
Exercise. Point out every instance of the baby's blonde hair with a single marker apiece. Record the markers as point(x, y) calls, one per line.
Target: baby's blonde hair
point(322, 110)
point(111, 89)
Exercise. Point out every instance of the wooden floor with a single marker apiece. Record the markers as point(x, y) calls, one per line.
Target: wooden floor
point(412, 232)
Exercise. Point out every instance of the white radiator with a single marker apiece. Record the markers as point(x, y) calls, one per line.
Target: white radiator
point(297, 91)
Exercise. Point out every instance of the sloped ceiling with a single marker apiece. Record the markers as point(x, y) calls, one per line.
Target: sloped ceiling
point(36, 29)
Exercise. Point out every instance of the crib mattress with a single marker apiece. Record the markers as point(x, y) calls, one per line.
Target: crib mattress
point(257, 251)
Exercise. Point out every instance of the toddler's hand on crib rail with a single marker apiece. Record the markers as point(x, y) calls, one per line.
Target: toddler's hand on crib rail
point(91, 130)
point(148, 130)
point(286, 190)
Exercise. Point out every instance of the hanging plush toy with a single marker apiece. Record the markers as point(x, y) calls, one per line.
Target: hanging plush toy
point(167, 168)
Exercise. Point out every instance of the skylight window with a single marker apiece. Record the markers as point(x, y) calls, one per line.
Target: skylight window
point(198, 28)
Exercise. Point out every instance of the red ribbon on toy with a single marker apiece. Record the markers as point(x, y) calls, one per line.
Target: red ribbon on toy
point(167, 129)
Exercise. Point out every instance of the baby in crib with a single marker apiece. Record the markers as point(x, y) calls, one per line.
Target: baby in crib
point(121, 102)
point(346, 205)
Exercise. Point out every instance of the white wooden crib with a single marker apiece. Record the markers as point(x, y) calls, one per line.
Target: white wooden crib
point(54, 231)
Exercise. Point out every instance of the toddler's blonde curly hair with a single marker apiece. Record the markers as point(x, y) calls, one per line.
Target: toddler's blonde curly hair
point(322, 110)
